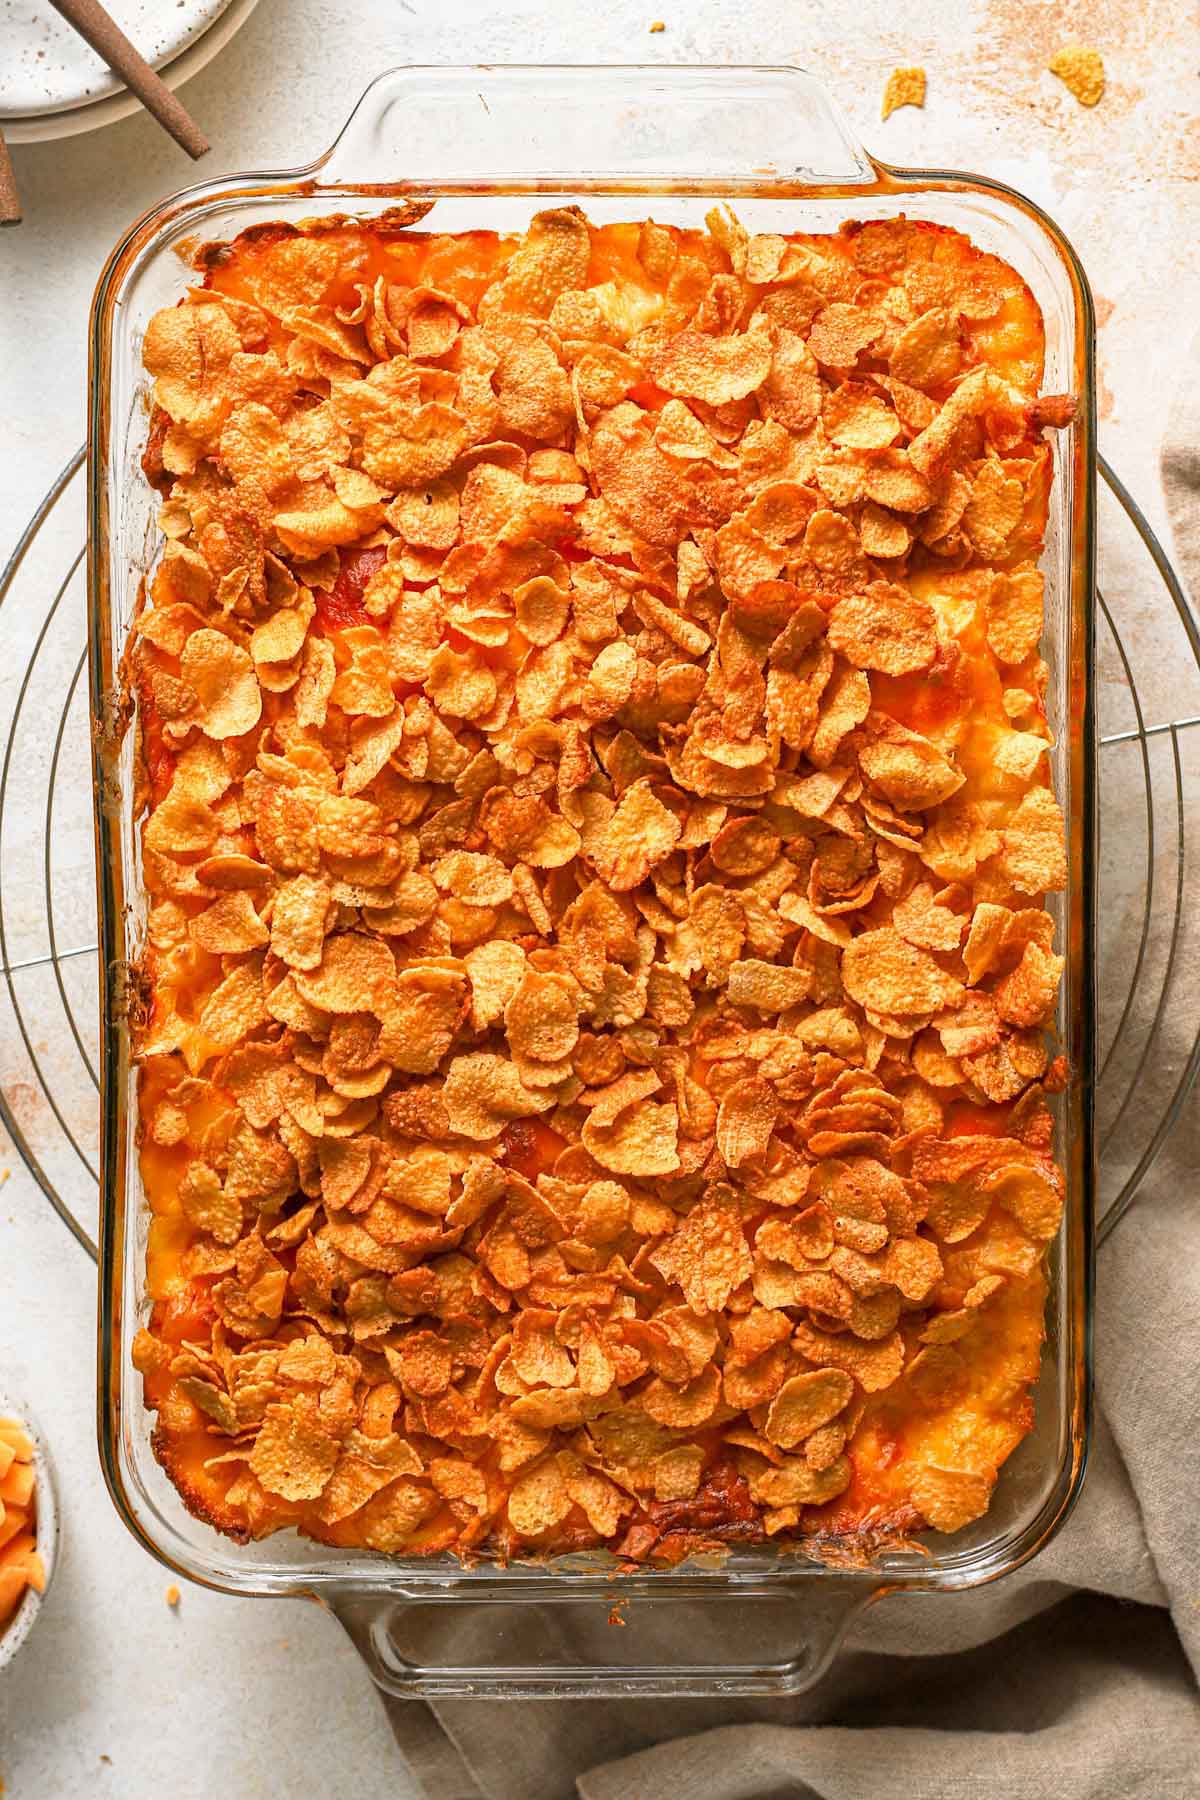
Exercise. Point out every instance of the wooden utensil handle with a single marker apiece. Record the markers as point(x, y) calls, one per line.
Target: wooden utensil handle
point(108, 41)
point(10, 200)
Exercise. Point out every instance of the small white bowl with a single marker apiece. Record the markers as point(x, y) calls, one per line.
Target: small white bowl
point(49, 1532)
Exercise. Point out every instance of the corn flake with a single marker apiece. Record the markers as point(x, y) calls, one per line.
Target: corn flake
point(715, 370)
point(806, 1402)
point(881, 970)
point(858, 418)
point(482, 1092)
point(886, 628)
point(905, 87)
point(1034, 848)
point(639, 835)
point(221, 675)
point(841, 332)
point(950, 1498)
point(707, 1256)
point(745, 1119)
point(1081, 69)
point(292, 1456)
point(628, 1134)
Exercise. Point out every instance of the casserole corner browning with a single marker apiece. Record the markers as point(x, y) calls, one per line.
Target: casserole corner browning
point(597, 820)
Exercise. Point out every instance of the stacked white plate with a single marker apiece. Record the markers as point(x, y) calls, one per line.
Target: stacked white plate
point(53, 85)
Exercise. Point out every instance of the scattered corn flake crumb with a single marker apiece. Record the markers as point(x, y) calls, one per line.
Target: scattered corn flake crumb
point(1080, 68)
point(172, 1595)
point(656, 25)
point(905, 87)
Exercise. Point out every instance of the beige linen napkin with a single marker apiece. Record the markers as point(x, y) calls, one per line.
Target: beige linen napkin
point(1074, 1678)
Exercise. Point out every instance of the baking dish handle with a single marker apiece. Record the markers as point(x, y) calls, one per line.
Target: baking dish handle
point(575, 128)
point(778, 1639)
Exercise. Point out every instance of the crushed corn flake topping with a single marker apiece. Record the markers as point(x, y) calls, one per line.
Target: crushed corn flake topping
point(596, 817)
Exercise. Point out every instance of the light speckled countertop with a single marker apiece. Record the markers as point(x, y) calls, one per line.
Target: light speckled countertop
point(118, 1694)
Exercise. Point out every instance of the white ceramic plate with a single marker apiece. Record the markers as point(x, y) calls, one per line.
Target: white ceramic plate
point(213, 24)
point(49, 1531)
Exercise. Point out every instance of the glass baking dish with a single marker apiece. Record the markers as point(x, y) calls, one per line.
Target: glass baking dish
point(488, 145)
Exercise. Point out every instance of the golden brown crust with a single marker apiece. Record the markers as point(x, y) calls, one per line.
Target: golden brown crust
point(200, 1497)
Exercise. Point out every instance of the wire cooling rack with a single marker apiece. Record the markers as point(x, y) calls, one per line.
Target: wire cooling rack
point(1149, 875)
